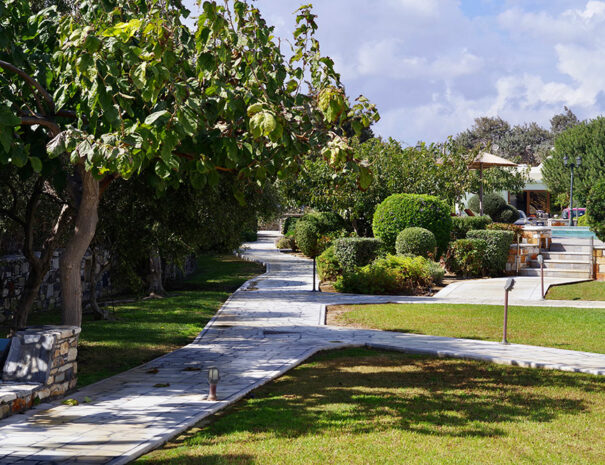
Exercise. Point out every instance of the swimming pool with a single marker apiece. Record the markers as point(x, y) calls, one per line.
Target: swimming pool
point(577, 231)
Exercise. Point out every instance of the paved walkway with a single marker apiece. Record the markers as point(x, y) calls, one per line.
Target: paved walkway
point(262, 331)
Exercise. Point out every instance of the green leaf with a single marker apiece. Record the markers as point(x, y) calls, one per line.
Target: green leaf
point(36, 164)
point(254, 109)
point(123, 30)
point(56, 146)
point(158, 116)
point(162, 170)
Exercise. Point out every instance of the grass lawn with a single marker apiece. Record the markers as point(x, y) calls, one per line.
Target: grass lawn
point(144, 330)
point(589, 290)
point(563, 328)
point(360, 406)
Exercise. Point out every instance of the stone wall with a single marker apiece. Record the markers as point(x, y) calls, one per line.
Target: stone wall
point(14, 270)
point(41, 366)
point(599, 263)
point(532, 240)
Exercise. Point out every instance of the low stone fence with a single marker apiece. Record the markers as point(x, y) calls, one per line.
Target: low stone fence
point(41, 366)
point(599, 263)
point(532, 240)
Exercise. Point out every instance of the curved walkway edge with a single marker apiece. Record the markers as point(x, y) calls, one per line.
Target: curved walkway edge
point(270, 325)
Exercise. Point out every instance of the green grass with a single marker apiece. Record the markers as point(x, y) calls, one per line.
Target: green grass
point(563, 328)
point(368, 407)
point(144, 330)
point(589, 290)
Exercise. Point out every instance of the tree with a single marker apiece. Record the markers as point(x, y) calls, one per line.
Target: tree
point(436, 169)
point(586, 140)
point(121, 91)
point(563, 121)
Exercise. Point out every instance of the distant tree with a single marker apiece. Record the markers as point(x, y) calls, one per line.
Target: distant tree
point(587, 140)
point(563, 121)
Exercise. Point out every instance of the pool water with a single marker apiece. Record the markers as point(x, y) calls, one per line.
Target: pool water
point(577, 231)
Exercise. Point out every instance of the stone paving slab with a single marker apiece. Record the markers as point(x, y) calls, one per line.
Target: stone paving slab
point(270, 325)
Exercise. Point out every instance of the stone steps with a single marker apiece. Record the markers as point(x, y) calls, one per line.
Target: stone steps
point(566, 258)
point(556, 273)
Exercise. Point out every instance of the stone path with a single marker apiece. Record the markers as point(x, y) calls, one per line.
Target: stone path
point(266, 328)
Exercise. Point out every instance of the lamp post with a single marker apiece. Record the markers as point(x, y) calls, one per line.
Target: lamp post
point(510, 283)
point(213, 377)
point(541, 262)
point(569, 163)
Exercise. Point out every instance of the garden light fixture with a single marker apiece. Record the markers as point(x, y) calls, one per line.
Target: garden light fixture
point(541, 262)
point(510, 283)
point(213, 378)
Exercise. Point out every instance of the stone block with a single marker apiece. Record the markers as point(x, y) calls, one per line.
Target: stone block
point(59, 378)
point(29, 358)
point(64, 347)
point(5, 410)
point(72, 383)
point(43, 393)
point(67, 366)
point(72, 354)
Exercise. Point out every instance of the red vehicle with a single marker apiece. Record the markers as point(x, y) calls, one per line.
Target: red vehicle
point(577, 212)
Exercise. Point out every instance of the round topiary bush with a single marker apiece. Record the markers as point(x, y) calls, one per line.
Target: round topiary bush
point(400, 211)
point(509, 215)
point(307, 238)
point(493, 204)
point(416, 241)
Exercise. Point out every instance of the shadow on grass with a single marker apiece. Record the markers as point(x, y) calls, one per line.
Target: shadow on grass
point(382, 391)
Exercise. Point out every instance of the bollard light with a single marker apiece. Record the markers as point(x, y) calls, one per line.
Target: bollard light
point(213, 379)
point(541, 262)
point(510, 283)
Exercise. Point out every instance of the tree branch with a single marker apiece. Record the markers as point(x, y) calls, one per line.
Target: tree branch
point(32, 82)
point(33, 120)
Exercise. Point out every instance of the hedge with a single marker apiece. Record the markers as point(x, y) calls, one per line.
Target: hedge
point(326, 222)
point(508, 215)
point(595, 208)
point(393, 274)
point(289, 224)
point(514, 228)
point(463, 224)
point(465, 257)
point(400, 211)
point(496, 253)
point(328, 267)
point(416, 241)
point(307, 238)
point(353, 252)
point(493, 204)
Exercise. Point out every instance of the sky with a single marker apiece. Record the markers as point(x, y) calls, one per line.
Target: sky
point(433, 66)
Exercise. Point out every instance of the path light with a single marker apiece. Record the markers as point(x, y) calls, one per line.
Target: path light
point(213, 377)
point(541, 262)
point(510, 283)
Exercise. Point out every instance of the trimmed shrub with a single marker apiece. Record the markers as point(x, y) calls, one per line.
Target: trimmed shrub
point(584, 220)
point(307, 238)
point(352, 252)
point(465, 257)
point(400, 211)
point(493, 204)
point(328, 267)
point(496, 253)
point(514, 228)
point(393, 274)
point(289, 225)
point(326, 222)
point(508, 215)
point(249, 235)
point(595, 207)
point(463, 224)
point(284, 243)
point(416, 241)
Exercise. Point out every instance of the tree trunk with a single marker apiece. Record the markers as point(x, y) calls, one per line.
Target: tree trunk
point(38, 266)
point(71, 261)
point(154, 278)
point(100, 313)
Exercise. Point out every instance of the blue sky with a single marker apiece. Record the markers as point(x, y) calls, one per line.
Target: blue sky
point(432, 66)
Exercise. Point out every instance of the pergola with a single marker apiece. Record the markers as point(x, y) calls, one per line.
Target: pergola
point(483, 161)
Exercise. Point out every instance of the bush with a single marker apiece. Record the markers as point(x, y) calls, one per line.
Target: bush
point(595, 207)
point(352, 252)
point(393, 274)
point(400, 211)
point(249, 235)
point(326, 222)
point(584, 220)
point(289, 225)
point(514, 228)
point(463, 224)
point(307, 238)
point(284, 243)
point(328, 267)
point(465, 257)
point(508, 215)
point(416, 241)
point(493, 204)
point(498, 247)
